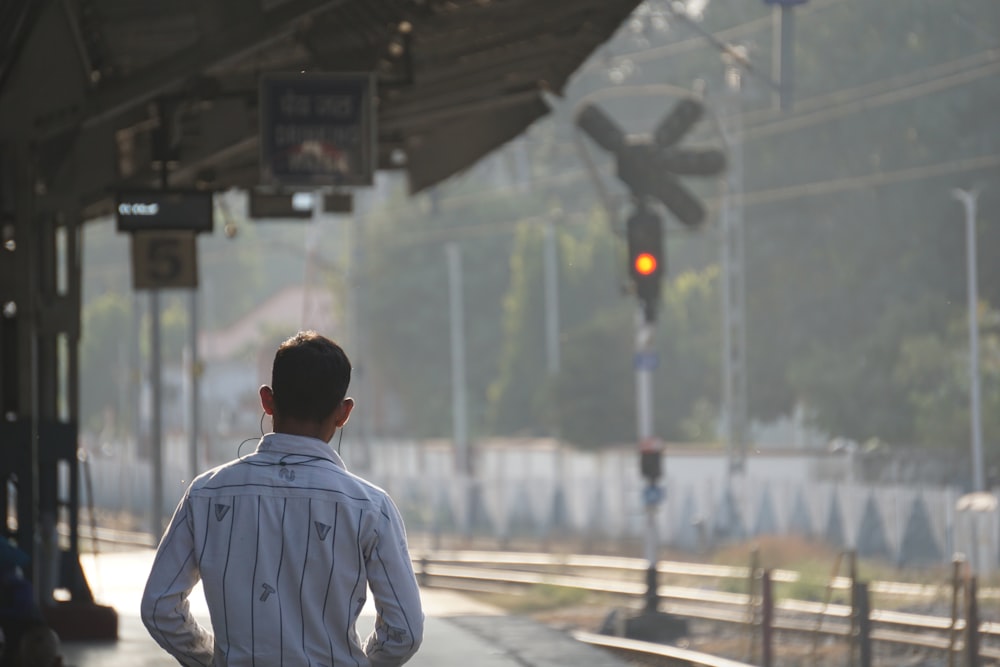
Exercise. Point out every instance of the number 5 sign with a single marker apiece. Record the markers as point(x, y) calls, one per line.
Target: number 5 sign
point(164, 259)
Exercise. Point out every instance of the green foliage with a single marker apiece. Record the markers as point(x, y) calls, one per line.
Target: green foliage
point(813, 585)
point(405, 299)
point(595, 400)
point(517, 396)
point(104, 360)
point(935, 370)
point(689, 341)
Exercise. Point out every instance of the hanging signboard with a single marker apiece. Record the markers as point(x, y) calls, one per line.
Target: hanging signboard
point(280, 206)
point(164, 259)
point(317, 129)
point(145, 210)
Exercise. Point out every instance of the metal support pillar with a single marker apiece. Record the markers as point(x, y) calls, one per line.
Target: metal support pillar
point(195, 396)
point(39, 336)
point(18, 275)
point(161, 143)
point(156, 422)
point(644, 421)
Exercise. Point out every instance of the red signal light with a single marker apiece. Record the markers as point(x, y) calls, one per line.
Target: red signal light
point(645, 264)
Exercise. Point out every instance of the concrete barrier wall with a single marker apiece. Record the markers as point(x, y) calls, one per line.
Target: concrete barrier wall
point(537, 489)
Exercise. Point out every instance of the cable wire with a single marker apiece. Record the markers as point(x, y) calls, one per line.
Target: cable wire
point(886, 98)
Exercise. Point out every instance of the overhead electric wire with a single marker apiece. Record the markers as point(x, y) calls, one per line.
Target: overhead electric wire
point(877, 179)
point(800, 121)
point(852, 101)
point(755, 198)
point(844, 102)
point(690, 44)
point(846, 95)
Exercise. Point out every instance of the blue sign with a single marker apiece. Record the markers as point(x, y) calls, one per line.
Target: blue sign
point(647, 361)
point(317, 129)
point(652, 495)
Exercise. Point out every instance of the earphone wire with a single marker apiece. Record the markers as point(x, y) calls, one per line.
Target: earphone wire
point(281, 461)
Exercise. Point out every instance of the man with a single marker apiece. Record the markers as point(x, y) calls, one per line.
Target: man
point(285, 539)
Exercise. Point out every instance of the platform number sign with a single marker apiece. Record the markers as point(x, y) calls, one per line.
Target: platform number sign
point(164, 259)
point(163, 225)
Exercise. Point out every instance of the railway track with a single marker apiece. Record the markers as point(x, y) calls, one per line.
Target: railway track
point(506, 572)
point(625, 578)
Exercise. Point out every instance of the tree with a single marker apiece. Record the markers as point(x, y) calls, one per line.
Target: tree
point(406, 307)
point(104, 364)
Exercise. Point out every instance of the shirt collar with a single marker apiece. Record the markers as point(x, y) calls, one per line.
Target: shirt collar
point(298, 445)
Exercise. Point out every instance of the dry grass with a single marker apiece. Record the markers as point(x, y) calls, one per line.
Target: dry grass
point(776, 552)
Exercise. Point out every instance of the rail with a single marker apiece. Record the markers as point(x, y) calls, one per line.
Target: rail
point(487, 571)
point(625, 577)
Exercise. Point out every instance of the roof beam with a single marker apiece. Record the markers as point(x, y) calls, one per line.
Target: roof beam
point(466, 34)
point(442, 110)
point(241, 40)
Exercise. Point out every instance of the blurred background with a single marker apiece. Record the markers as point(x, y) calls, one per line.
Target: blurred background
point(834, 259)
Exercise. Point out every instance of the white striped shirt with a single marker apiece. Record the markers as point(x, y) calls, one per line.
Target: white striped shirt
point(284, 541)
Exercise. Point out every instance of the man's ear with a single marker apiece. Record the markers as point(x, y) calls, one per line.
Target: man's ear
point(343, 411)
point(267, 399)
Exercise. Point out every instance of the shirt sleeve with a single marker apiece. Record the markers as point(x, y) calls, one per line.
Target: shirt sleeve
point(165, 610)
point(399, 623)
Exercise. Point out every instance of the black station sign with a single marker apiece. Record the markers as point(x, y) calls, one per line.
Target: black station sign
point(147, 210)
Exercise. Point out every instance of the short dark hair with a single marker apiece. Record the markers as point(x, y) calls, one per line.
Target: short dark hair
point(309, 377)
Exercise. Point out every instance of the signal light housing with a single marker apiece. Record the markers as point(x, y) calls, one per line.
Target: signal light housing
point(644, 230)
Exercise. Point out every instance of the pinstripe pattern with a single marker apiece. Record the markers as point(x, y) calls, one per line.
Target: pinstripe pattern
point(225, 571)
point(256, 557)
point(326, 596)
point(285, 579)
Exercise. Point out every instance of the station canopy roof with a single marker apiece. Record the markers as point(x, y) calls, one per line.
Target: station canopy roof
point(455, 78)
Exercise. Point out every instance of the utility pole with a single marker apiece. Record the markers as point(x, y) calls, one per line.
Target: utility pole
point(551, 299)
point(156, 421)
point(783, 13)
point(968, 199)
point(463, 459)
point(460, 426)
point(356, 321)
point(733, 280)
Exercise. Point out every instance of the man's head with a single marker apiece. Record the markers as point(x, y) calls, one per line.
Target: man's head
point(309, 380)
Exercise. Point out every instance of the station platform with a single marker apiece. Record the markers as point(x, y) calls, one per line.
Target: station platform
point(458, 631)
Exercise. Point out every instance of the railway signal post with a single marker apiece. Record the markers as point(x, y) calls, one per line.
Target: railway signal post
point(651, 167)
